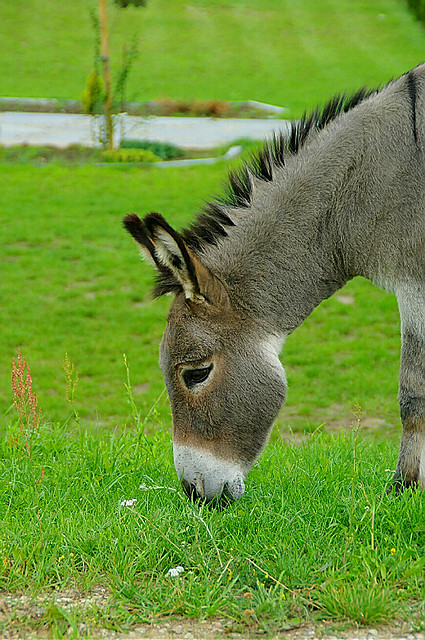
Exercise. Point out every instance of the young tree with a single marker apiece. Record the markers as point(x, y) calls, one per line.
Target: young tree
point(106, 74)
point(95, 94)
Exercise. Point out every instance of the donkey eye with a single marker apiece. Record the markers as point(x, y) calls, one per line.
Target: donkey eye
point(192, 377)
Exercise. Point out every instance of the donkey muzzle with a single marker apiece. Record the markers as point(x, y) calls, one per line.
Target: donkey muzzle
point(205, 477)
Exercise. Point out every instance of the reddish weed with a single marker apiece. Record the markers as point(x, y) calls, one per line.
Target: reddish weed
point(25, 401)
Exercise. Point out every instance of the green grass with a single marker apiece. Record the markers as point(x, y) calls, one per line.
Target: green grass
point(315, 536)
point(294, 53)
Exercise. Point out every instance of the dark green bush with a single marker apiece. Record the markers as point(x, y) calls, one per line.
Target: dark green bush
point(418, 8)
point(125, 3)
point(162, 149)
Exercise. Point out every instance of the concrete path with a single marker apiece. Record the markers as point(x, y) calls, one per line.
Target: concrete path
point(62, 130)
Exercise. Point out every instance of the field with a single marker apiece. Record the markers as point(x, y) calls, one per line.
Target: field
point(295, 54)
point(77, 291)
point(89, 500)
point(315, 537)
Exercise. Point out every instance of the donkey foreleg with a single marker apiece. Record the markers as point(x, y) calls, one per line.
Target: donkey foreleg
point(410, 470)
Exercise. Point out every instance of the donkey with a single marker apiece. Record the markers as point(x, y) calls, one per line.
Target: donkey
point(342, 194)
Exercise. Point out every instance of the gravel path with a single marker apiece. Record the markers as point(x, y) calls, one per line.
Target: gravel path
point(64, 129)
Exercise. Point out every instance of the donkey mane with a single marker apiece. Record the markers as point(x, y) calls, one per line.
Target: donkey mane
point(210, 225)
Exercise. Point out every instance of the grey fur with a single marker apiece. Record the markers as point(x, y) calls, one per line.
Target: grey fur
point(349, 201)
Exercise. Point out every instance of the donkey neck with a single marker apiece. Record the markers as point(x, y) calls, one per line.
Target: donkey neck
point(282, 257)
point(324, 217)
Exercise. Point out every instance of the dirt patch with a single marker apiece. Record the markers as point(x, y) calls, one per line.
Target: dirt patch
point(24, 617)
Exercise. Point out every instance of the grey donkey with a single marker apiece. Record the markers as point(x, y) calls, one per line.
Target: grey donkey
point(342, 194)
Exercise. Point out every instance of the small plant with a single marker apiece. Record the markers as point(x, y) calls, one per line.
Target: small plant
point(93, 94)
point(129, 393)
point(101, 96)
point(26, 404)
point(363, 605)
point(162, 149)
point(128, 58)
point(139, 422)
point(71, 380)
point(130, 155)
point(30, 416)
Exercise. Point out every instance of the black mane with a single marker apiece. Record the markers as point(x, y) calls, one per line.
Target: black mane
point(210, 225)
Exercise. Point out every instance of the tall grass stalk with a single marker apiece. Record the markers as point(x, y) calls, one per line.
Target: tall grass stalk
point(139, 421)
point(71, 381)
point(29, 421)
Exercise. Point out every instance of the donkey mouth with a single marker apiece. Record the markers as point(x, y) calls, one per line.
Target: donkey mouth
point(226, 493)
point(207, 478)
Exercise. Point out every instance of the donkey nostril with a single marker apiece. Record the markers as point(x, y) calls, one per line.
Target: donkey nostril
point(189, 489)
point(199, 486)
point(235, 489)
point(194, 490)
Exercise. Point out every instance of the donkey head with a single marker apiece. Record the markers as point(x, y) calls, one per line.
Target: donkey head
point(222, 373)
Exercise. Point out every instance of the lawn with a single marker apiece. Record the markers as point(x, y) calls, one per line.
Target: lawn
point(295, 54)
point(315, 536)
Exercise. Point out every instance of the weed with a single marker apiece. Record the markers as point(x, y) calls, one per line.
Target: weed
point(26, 404)
point(30, 419)
point(140, 421)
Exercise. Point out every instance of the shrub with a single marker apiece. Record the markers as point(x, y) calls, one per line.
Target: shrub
point(125, 3)
point(202, 108)
point(418, 8)
point(93, 93)
point(163, 150)
point(212, 108)
point(129, 155)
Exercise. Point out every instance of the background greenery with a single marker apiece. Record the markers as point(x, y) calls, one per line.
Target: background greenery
point(418, 8)
point(293, 54)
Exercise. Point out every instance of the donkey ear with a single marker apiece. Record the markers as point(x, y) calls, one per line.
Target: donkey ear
point(172, 256)
point(171, 251)
point(137, 229)
point(167, 249)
